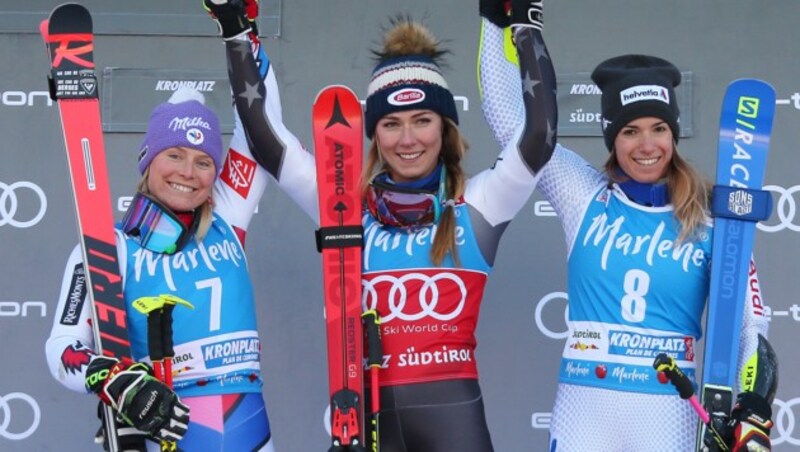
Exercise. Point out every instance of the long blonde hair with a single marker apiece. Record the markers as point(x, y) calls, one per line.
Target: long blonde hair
point(689, 193)
point(205, 210)
point(454, 147)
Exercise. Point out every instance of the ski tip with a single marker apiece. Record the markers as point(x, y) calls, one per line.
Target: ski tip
point(43, 27)
point(70, 18)
point(332, 90)
point(753, 84)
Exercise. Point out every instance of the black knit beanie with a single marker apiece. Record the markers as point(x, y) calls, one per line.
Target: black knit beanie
point(637, 86)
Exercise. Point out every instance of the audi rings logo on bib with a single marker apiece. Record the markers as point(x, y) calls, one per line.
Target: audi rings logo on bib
point(406, 96)
point(18, 410)
point(783, 415)
point(22, 204)
point(785, 210)
point(429, 302)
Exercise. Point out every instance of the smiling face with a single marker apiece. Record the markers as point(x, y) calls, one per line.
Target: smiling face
point(181, 178)
point(644, 149)
point(410, 143)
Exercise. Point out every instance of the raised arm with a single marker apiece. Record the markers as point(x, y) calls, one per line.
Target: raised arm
point(257, 101)
point(523, 115)
point(513, 54)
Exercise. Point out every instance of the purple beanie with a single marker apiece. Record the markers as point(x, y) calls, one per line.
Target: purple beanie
point(185, 121)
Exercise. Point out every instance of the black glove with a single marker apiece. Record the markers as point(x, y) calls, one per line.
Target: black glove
point(496, 11)
point(233, 17)
point(138, 398)
point(750, 423)
point(526, 13)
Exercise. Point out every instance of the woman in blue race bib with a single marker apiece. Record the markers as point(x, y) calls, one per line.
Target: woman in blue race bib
point(181, 240)
point(638, 236)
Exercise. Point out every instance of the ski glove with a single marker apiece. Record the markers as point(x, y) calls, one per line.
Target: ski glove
point(750, 423)
point(138, 398)
point(233, 17)
point(496, 11)
point(526, 13)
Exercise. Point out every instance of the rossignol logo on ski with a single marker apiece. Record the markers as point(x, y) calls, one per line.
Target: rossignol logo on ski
point(88, 81)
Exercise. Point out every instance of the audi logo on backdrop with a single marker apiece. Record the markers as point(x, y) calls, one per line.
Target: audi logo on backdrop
point(25, 98)
point(23, 309)
point(785, 210)
point(428, 296)
point(548, 303)
point(543, 209)
point(23, 410)
point(783, 417)
point(15, 194)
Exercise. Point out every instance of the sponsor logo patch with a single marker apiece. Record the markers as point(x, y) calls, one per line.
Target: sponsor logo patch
point(75, 297)
point(238, 173)
point(644, 92)
point(406, 96)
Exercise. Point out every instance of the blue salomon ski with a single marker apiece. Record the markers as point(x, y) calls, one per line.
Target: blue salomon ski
point(745, 125)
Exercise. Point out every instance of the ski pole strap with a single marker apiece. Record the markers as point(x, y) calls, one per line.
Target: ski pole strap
point(740, 203)
point(339, 237)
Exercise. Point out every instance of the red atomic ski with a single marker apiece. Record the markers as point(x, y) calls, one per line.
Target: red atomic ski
point(338, 144)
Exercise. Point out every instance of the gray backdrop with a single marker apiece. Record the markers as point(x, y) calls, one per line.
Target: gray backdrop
point(145, 48)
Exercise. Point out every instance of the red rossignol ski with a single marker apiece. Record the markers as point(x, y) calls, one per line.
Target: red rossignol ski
point(73, 85)
point(338, 144)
